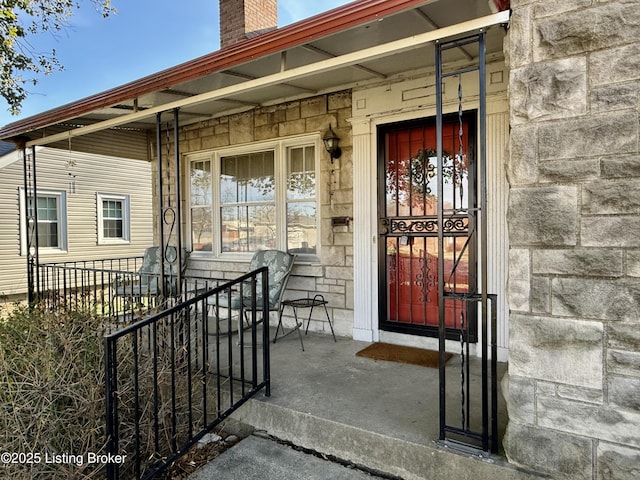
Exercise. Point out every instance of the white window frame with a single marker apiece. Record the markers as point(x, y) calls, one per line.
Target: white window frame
point(61, 205)
point(280, 147)
point(126, 228)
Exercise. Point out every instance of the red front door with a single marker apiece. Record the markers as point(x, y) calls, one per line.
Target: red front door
point(409, 227)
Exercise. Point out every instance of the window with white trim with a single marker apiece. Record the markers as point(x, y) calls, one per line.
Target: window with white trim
point(51, 210)
point(112, 218)
point(259, 197)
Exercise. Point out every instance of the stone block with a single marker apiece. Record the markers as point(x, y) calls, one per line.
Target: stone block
point(614, 231)
point(349, 291)
point(578, 262)
point(624, 336)
point(621, 64)
point(294, 127)
point(522, 167)
point(342, 238)
point(586, 30)
point(595, 421)
point(320, 123)
point(614, 461)
point(546, 8)
point(270, 115)
point(624, 392)
point(313, 270)
point(311, 107)
point(297, 282)
point(556, 350)
point(569, 171)
point(518, 286)
point(334, 256)
point(623, 362)
point(545, 91)
point(344, 317)
point(604, 299)
point(266, 132)
point(548, 451)
point(590, 395)
point(543, 216)
point(540, 296)
point(615, 132)
point(633, 263)
point(339, 100)
point(215, 141)
point(619, 196)
point(341, 273)
point(615, 97)
point(292, 112)
point(241, 128)
point(520, 396)
point(620, 166)
point(517, 43)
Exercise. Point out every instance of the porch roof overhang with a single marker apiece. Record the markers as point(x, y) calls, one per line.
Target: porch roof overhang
point(363, 42)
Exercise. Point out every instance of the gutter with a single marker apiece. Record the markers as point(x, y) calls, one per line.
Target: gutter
point(305, 31)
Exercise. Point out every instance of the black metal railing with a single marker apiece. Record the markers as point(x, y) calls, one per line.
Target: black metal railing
point(176, 375)
point(472, 421)
point(113, 288)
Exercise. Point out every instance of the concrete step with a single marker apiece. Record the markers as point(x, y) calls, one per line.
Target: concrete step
point(375, 451)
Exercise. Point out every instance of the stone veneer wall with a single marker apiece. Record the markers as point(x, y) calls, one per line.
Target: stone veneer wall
point(574, 231)
point(333, 275)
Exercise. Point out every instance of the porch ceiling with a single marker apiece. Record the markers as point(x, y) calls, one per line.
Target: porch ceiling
point(306, 47)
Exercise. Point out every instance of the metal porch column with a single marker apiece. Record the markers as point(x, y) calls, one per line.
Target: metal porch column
point(31, 224)
point(471, 434)
point(169, 217)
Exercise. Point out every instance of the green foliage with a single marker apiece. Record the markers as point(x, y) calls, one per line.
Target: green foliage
point(20, 20)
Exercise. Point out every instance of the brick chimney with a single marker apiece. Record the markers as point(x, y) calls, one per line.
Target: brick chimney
point(243, 19)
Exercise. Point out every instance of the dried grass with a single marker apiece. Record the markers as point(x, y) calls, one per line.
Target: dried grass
point(52, 380)
point(52, 401)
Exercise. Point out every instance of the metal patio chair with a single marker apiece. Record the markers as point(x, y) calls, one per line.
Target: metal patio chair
point(143, 285)
point(279, 265)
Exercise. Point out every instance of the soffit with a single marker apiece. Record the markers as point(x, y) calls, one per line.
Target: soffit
point(298, 54)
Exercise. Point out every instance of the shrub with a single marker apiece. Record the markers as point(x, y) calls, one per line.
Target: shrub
point(52, 394)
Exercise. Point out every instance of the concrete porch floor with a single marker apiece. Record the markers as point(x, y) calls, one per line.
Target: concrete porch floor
point(381, 415)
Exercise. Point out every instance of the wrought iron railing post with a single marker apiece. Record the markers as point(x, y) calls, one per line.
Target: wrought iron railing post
point(111, 398)
point(466, 437)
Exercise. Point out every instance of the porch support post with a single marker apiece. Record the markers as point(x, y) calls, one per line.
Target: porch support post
point(31, 224)
point(178, 202)
point(160, 194)
point(365, 286)
point(169, 221)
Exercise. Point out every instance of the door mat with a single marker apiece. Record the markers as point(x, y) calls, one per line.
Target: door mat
point(402, 354)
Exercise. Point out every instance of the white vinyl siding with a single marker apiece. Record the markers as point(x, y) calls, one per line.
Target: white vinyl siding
point(91, 173)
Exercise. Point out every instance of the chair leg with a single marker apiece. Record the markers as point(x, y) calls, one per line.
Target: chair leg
point(281, 309)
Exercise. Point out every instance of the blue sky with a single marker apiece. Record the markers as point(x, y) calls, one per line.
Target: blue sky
point(144, 37)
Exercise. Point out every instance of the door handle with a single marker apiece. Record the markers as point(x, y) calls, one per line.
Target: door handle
point(383, 226)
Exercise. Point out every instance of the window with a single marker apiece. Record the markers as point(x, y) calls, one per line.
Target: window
point(52, 229)
point(260, 198)
point(112, 218)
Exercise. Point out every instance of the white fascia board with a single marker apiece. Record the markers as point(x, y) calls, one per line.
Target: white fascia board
point(346, 60)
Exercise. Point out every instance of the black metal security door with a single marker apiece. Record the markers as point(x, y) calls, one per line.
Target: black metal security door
point(409, 198)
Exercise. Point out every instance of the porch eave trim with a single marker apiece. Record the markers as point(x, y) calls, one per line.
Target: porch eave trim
point(305, 31)
point(346, 60)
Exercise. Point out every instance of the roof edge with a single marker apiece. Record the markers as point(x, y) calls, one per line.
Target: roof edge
point(304, 31)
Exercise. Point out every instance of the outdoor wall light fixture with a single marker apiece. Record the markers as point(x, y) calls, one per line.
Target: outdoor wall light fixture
point(330, 141)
